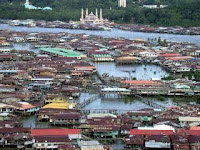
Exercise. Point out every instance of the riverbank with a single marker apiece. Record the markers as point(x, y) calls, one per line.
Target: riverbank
point(164, 30)
point(59, 24)
point(114, 33)
point(107, 26)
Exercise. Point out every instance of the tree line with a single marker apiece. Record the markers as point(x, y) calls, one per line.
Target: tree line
point(185, 13)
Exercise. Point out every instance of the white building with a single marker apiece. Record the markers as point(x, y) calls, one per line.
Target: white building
point(155, 6)
point(148, 54)
point(91, 18)
point(27, 5)
point(183, 69)
point(122, 3)
point(5, 108)
point(150, 6)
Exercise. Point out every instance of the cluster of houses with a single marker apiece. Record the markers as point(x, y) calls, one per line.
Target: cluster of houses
point(44, 82)
point(175, 128)
point(29, 80)
point(179, 87)
point(106, 26)
point(60, 24)
point(168, 30)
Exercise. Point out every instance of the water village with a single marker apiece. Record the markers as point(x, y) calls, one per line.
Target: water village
point(92, 22)
point(47, 80)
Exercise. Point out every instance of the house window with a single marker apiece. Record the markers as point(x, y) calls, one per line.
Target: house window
point(3, 109)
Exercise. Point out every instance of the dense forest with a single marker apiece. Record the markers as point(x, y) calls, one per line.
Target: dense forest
point(178, 13)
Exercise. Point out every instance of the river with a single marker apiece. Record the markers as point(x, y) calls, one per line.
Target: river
point(114, 33)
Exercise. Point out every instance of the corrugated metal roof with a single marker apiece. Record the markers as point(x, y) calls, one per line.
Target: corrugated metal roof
point(62, 52)
point(64, 105)
point(151, 132)
point(54, 131)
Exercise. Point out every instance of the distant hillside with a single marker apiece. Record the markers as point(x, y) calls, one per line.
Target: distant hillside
point(179, 12)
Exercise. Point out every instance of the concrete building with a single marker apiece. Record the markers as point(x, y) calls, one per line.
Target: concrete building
point(122, 3)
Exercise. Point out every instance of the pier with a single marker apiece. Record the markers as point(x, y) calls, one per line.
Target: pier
point(151, 103)
point(105, 111)
point(124, 91)
point(87, 101)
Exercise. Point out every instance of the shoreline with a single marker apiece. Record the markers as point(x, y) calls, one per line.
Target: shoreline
point(176, 30)
point(173, 30)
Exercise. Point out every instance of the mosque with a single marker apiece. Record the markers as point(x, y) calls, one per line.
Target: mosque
point(91, 18)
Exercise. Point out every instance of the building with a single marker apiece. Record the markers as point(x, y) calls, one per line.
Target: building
point(134, 142)
point(126, 60)
point(51, 98)
point(5, 108)
point(71, 133)
point(55, 52)
point(51, 138)
point(154, 6)
point(90, 145)
point(60, 105)
point(185, 120)
point(102, 56)
point(49, 142)
point(157, 141)
point(67, 119)
point(122, 3)
point(27, 5)
point(26, 108)
point(91, 18)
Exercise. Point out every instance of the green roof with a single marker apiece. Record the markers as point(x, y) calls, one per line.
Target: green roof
point(62, 52)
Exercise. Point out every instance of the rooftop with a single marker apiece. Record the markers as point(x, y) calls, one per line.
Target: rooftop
point(151, 132)
point(54, 132)
point(62, 52)
point(64, 105)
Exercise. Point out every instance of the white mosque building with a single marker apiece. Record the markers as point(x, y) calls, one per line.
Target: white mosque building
point(91, 18)
point(122, 3)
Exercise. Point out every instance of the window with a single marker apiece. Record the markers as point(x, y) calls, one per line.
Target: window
point(3, 109)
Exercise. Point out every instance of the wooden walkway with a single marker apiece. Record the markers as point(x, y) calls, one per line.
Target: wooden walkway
point(105, 111)
point(151, 103)
point(87, 101)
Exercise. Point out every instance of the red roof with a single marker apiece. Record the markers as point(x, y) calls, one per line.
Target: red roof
point(198, 67)
point(194, 132)
point(151, 132)
point(179, 58)
point(195, 128)
point(54, 132)
point(116, 41)
point(170, 55)
point(139, 82)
